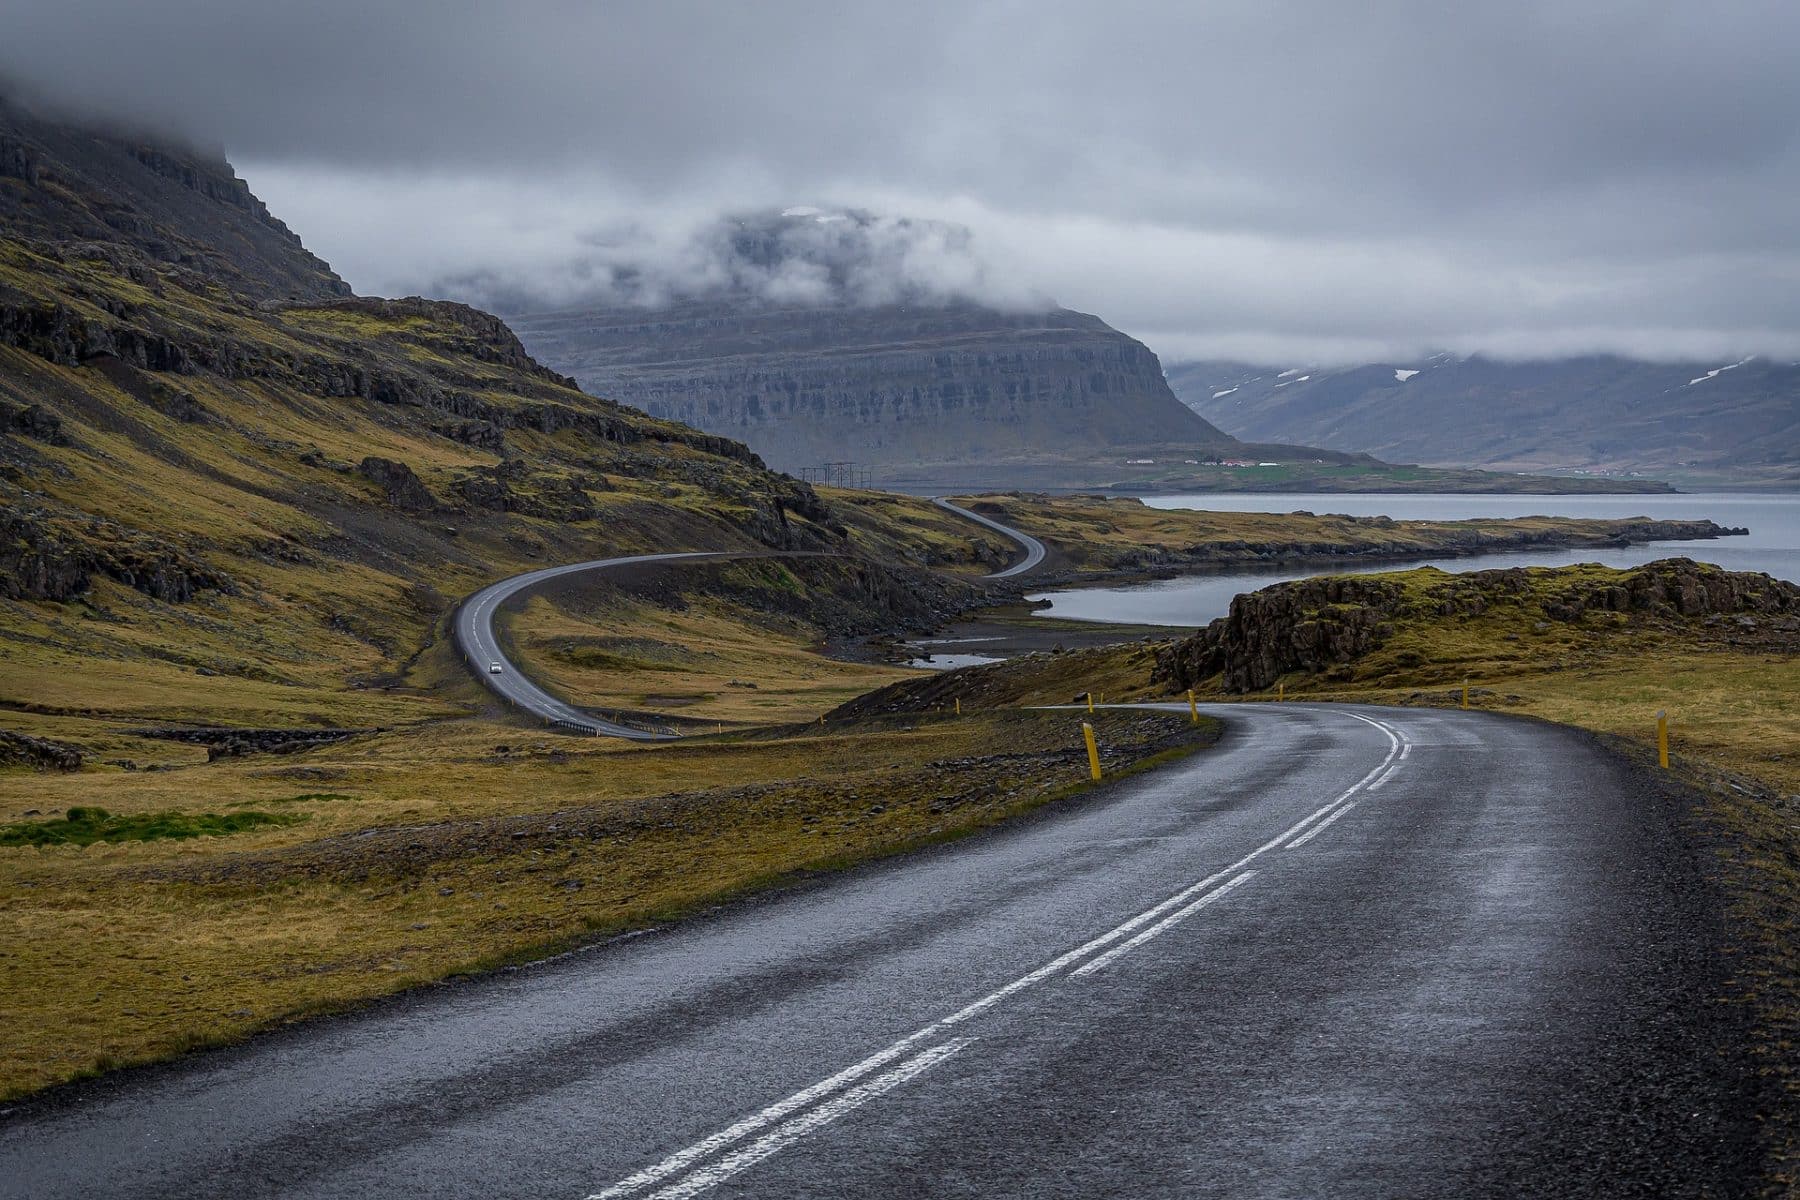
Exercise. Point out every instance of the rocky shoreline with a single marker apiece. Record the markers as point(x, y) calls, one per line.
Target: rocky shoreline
point(1157, 562)
point(1318, 625)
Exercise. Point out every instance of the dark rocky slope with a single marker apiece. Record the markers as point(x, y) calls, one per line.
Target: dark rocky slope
point(183, 209)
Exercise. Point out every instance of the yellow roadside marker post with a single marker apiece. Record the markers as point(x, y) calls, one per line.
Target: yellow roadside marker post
point(1087, 732)
point(1662, 737)
point(1281, 693)
point(1465, 693)
point(1090, 699)
point(1193, 711)
point(959, 706)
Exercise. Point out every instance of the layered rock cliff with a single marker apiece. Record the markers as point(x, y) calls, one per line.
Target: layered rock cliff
point(884, 386)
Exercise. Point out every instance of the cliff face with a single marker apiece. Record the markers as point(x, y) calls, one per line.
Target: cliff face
point(184, 210)
point(884, 386)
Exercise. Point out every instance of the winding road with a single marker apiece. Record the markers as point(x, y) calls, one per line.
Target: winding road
point(1347, 952)
point(1034, 549)
point(473, 628)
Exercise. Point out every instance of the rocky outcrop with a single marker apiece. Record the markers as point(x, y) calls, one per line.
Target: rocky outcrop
point(1680, 588)
point(33, 421)
point(228, 742)
point(45, 558)
point(1314, 625)
point(402, 489)
point(512, 486)
point(23, 750)
point(1305, 625)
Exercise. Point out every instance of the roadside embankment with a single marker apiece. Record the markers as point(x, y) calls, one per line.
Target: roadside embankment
point(369, 866)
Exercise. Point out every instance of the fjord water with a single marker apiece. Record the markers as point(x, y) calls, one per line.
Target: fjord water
point(1772, 546)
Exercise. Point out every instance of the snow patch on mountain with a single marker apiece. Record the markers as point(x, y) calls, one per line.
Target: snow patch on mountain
point(1717, 371)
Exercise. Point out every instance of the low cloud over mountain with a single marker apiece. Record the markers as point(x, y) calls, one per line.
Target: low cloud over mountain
point(802, 255)
point(1309, 181)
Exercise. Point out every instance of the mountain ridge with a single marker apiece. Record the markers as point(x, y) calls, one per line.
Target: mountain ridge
point(1599, 414)
point(887, 385)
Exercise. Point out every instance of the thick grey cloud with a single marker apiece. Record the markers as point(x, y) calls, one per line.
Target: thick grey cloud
point(1286, 181)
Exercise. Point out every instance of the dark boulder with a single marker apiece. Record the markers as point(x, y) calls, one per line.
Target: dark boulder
point(36, 421)
point(400, 486)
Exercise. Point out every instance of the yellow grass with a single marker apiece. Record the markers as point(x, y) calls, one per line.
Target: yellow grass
point(132, 951)
point(704, 663)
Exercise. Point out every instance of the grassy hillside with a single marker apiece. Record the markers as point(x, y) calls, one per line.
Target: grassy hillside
point(287, 499)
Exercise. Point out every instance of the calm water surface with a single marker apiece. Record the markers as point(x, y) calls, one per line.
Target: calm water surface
point(1773, 545)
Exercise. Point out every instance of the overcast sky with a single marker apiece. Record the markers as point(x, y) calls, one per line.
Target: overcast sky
point(1312, 181)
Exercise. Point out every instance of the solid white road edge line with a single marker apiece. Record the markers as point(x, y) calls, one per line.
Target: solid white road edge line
point(783, 1136)
point(682, 1159)
point(1168, 922)
point(1316, 830)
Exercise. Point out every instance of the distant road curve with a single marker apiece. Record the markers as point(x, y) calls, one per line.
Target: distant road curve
point(1034, 549)
point(473, 627)
point(480, 647)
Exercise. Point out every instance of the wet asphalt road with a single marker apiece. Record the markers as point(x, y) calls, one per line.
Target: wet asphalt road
point(473, 628)
point(1034, 549)
point(1346, 952)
